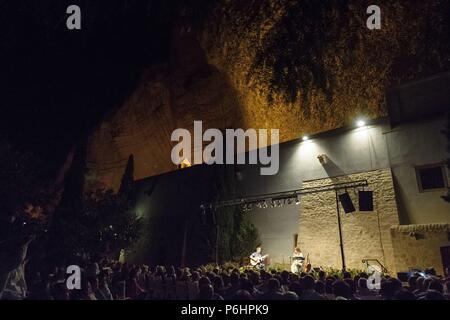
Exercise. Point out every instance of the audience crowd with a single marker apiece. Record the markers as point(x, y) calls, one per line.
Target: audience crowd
point(112, 280)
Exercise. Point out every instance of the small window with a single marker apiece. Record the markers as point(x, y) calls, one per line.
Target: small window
point(431, 178)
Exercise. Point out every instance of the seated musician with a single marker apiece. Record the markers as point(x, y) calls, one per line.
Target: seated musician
point(257, 259)
point(297, 260)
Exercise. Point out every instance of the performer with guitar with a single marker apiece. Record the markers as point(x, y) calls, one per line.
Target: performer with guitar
point(257, 259)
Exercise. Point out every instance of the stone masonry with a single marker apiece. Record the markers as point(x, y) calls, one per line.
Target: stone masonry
point(365, 234)
point(418, 246)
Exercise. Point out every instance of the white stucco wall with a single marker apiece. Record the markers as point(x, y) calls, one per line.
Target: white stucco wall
point(353, 151)
point(411, 145)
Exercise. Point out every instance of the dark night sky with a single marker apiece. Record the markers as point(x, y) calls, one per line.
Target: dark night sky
point(55, 84)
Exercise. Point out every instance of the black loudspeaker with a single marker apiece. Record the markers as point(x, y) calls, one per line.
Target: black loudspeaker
point(365, 200)
point(346, 202)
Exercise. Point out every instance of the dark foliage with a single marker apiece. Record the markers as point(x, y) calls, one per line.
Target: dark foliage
point(237, 235)
point(96, 222)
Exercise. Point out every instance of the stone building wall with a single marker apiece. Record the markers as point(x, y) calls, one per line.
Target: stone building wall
point(365, 234)
point(418, 246)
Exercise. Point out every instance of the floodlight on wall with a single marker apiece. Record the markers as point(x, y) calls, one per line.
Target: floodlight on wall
point(346, 202)
point(322, 158)
point(360, 123)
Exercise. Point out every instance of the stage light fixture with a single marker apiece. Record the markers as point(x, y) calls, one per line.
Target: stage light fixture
point(265, 205)
point(297, 199)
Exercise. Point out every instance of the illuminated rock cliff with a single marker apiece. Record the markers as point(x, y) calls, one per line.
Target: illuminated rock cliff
point(299, 66)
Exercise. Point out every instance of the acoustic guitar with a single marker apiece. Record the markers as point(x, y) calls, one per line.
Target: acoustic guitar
point(256, 261)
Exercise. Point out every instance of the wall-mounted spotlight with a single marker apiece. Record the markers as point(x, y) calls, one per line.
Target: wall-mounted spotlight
point(360, 123)
point(322, 158)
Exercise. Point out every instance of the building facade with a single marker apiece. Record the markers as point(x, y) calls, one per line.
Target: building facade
point(400, 156)
point(402, 160)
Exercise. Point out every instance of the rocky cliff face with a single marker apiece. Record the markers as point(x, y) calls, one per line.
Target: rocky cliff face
point(299, 66)
point(169, 96)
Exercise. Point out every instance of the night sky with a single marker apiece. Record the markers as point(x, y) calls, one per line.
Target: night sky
point(56, 83)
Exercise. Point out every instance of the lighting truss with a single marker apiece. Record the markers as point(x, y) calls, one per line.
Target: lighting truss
point(275, 199)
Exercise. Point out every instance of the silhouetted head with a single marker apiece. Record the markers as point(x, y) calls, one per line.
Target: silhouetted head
point(206, 292)
point(341, 289)
point(290, 296)
point(308, 283)
point(243, 295)
point(404, 294)
point(273, 285)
